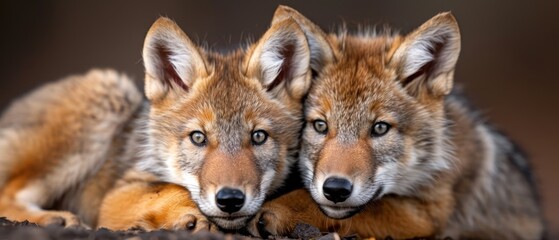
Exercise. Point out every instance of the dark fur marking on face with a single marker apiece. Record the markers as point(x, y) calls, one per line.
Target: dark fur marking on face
point(427, 146)
point(423, 159)
point(314, 74)
point(377, 193)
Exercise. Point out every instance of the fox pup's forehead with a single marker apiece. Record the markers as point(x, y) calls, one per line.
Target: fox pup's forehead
point(362, 66)
point(226, 98)
point(360, 81)
point(228, 102)
point(208, 119)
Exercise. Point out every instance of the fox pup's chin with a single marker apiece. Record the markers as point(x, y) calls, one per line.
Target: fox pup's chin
point(230, 223)
point(342, 211)
point(339, 212)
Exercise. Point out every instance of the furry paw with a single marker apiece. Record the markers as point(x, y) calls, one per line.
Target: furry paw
point(58, 218)
point(192, 222)
point(272, 220)
point(187, 218)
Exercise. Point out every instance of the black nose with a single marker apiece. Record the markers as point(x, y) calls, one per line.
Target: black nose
point(337, 189)
point(230, 200)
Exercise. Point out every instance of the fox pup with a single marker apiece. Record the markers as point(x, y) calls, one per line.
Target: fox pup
point(225, 127)
point(390, 150)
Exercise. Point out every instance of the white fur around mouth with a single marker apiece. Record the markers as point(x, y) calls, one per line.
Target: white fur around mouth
point(339, 212)
point(230, 222)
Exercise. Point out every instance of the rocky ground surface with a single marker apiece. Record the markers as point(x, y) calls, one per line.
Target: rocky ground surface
point(30, 231)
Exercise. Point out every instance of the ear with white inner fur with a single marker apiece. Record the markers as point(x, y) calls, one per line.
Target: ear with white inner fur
point(322, 52)
point(171, 60)
point(280, 60)
point(426, 58)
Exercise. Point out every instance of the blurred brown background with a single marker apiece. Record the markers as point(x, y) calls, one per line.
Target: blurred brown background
point(508, 64)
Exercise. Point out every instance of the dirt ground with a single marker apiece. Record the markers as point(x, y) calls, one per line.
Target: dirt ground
point(24, 230)
point(30, 231)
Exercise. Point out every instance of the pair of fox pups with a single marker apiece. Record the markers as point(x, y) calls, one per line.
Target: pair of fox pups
point(384, 147)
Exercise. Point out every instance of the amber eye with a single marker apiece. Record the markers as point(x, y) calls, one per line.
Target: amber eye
point(198, 138)
point(259, 137)
point(380, 128)
point(320, 126)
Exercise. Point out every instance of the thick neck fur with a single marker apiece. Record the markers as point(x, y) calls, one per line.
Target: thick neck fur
point(490, 175)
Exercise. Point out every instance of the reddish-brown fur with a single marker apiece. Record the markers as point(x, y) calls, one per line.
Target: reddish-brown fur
point(90, 138)
point(145, 203)
point(40, 135)
point(225, 97)
point(438, 171)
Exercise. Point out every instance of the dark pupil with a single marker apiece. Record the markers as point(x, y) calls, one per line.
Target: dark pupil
point(320, 126)
point(258, 136)
point(380, 128)
point(198, 138)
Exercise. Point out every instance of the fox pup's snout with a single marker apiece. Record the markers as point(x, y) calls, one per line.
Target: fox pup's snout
point(339, 187)
point(230, 186)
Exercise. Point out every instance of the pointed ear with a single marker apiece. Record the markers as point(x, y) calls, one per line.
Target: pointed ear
point(280, 60)
point(171, 60)
point(322, 52)
point(426, 58)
